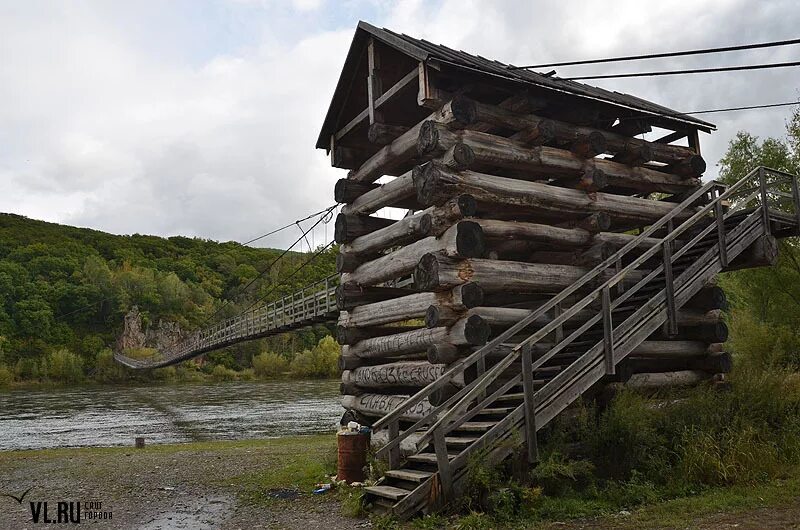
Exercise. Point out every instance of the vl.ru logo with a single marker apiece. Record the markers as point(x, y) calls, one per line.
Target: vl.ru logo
point(63, 512)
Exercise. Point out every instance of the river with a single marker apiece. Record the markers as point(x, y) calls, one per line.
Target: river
point(38, 418)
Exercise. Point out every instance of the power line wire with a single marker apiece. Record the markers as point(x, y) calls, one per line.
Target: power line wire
point(325, 211)
point(269, 267)
point(284, 280)
point(700, 51)
point(689, 71)
point(710, 111)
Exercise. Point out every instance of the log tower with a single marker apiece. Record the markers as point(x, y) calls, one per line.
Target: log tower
point(543, 251)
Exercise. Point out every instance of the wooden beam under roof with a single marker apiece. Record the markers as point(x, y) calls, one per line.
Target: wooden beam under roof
point(380, 101)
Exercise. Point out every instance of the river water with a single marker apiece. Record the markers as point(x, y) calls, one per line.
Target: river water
point(114, 415)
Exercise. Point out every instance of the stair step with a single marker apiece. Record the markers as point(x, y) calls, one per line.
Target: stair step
point(411, 475)
point(426, 458)
point(460, 441)
point(515, 396)
point(497, 410)
point(387, 492)
point(475, 426)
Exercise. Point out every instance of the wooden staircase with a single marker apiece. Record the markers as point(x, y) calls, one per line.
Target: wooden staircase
point(547, 371)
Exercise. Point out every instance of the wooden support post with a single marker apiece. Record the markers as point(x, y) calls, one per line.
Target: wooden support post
point(762, 184)
point(394, 452)
point(672, 314)
point(720, 219)
point(796, 199)
point(559, 334)
point(443, 462)
point(608, 332)
point(530, 405)
point(374, 85)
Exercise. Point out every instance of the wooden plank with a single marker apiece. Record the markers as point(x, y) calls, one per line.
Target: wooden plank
point(443, 463)
point(530, 405)
point(671, 137)
point(374, 85)
point(387, 492)
point(379, 102)
point(410, 475)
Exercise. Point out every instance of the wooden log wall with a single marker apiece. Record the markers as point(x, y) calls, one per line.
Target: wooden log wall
point(505, 209)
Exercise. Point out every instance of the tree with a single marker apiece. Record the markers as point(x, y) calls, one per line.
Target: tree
point(766, 302)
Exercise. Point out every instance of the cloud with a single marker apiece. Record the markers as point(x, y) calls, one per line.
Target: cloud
point(170, 119)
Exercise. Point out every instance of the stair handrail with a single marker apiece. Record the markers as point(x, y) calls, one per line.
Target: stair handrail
point(491, 375)
point(467, 394)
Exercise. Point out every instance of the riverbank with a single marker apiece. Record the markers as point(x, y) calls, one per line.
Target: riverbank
point(268, 484)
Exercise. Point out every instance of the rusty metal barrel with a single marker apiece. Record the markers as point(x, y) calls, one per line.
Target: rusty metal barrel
point(352, 456)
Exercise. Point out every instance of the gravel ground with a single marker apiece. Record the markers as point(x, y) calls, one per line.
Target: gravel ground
point(236, 486)
point(161, 488)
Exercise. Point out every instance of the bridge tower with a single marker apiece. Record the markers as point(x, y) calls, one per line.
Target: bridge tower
point(545, 251)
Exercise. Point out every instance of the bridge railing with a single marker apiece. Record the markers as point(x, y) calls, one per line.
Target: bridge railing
point(313, 302)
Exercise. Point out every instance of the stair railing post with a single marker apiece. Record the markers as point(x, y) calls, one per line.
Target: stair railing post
point(719, 216)
point(443, 463)
point(394, 452)
point(559, 333)
point(762, 185)
point(669, 286)
point(530, 404)
point(620, 285)
point(796, 199)
point(608, 332)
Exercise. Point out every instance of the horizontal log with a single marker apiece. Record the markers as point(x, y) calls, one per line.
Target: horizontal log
point(348, 190)
point(649, 349)
point(346, 157)
point(349, 226)
point(351, 335)
point(589, 145)
point(708, 298)
point(398, 193)
point(383, 133)
point(435, 184)
point(465, 239)
point(762, 253)
point(399, 374)
point(432, 221)
point(378, 405)
point(468, 331)
point(692, 317)
point(408, 446)
point(718, 363)
point(674, 348)
point(594, 223)
point(412, 306)
point(554, 236)
point(499, 317)
point(497, 152)
point(396, 157)
point(716, 332)
point(355, 390)
point(349, 296)
point(650, 381)
point(589, 257)
point(436, 272)
point(566, 133)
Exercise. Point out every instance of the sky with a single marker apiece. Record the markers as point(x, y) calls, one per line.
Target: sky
point(199, 118)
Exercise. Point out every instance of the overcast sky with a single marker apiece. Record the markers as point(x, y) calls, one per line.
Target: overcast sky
point(200, 118)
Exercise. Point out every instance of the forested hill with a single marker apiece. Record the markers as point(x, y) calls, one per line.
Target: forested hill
point(67, 288)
